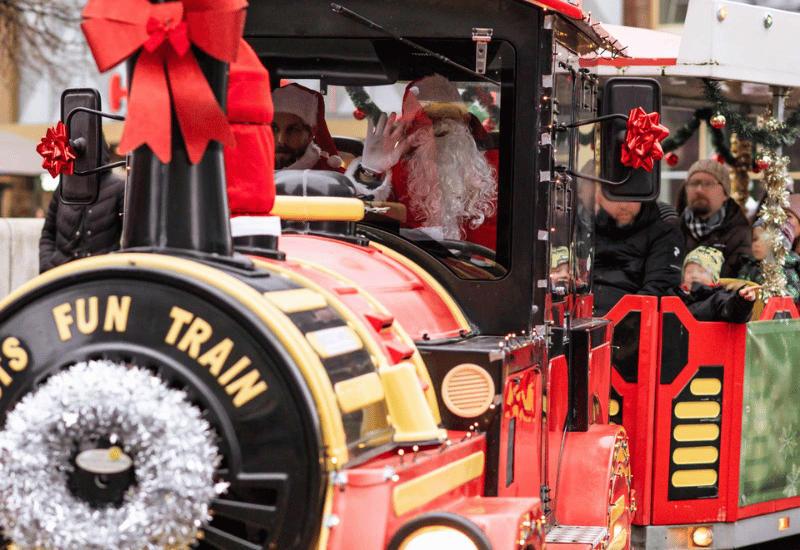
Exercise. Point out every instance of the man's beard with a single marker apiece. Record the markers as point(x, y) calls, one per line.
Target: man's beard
point(700, 208)
point(281, 163)
point(450, 182)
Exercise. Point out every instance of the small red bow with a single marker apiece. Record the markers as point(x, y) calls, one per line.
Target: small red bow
point(642, 146)
point(59, 156)
point(159, 31)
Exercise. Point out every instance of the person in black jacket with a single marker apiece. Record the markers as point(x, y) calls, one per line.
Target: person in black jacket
point(636, 252)
point(706, 299)
point(72, 231)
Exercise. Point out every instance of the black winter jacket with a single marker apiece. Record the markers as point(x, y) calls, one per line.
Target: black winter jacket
point(715, 303)
point(645, 257)
point(733, 238)
point(71, 232)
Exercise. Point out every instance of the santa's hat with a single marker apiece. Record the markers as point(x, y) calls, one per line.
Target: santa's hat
point(437, 96)
point(309, 106)
point(249, 167)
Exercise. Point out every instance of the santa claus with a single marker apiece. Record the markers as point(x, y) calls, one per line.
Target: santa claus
point(435, 167)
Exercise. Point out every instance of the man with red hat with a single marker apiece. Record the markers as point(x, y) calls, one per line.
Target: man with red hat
point(302, 140)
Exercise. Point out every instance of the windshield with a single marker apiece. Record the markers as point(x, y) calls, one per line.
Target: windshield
point(447, 187)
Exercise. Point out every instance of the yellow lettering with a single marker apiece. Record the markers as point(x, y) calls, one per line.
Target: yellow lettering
point(245, 388)
point(5, 378)
point(198, 333)
point(63, 319)
point(216, 356)
point(17, 356)
point(84, 324)
point(231, 373)
point(181, 317)
point(117, 314)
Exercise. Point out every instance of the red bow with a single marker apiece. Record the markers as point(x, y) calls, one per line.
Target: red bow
point(59, 156)
point(643, 145)
point(115, 30)
point(159, 31)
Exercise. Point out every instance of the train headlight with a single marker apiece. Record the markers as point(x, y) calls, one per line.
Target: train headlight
point(702, 537)
point(436, 538)
point(439, 530)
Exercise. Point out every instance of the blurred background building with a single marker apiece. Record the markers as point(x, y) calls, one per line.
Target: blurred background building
point(30, 99)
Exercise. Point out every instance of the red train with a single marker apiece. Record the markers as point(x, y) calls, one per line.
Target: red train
point(366, 386)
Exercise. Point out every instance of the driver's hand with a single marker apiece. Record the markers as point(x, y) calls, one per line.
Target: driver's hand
point(385, 143)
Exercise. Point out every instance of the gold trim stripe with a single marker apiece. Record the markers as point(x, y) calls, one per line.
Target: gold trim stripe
point(298, 299)
point(422, 490)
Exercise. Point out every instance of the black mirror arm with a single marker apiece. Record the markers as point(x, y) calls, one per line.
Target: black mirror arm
point(594, 120)
point(101, 168)
point(79, 144)
point(565, 170)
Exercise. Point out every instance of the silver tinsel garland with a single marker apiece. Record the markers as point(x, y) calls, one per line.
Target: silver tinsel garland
point(171, 446)
point(774, 216)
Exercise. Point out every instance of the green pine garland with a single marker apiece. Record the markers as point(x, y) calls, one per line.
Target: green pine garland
point(682, 135)
point(784, 134)
point(363, 102)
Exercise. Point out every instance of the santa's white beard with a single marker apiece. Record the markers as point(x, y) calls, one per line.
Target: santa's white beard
point(450, 182)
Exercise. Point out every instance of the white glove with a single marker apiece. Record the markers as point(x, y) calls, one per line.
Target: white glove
point(384, 144)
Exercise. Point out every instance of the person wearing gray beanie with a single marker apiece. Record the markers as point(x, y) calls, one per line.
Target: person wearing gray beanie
point(711, 217)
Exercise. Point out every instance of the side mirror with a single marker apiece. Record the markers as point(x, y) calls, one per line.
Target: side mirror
point(85, 135)
point(620, 95)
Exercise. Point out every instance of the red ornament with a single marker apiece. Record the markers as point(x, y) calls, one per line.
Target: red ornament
point(166, 71)
point(762, 163)
point(643, 143)
point(672, 159)
point(59, 156)
point(718, 121)
point(718, 158)
point(359, 114)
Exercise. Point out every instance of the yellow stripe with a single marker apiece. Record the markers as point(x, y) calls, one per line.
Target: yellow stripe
point(325, 532)
point(396, 328)
point(697, 409)
point(422, 490)
point(694, 478)
point(318, 208)
point(451, 304)
point(705, 386)
point(359, 392)
point(696, 432)
point(296, 344)
point(298, 299)
point(616, 510)
point(695, 455)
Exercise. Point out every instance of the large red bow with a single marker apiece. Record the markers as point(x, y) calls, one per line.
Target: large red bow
point(59, 156)
point(116, 29)
point(643, 145)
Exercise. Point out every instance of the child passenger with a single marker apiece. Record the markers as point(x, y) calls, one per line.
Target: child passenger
point(751, 264)
point(706, 299)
